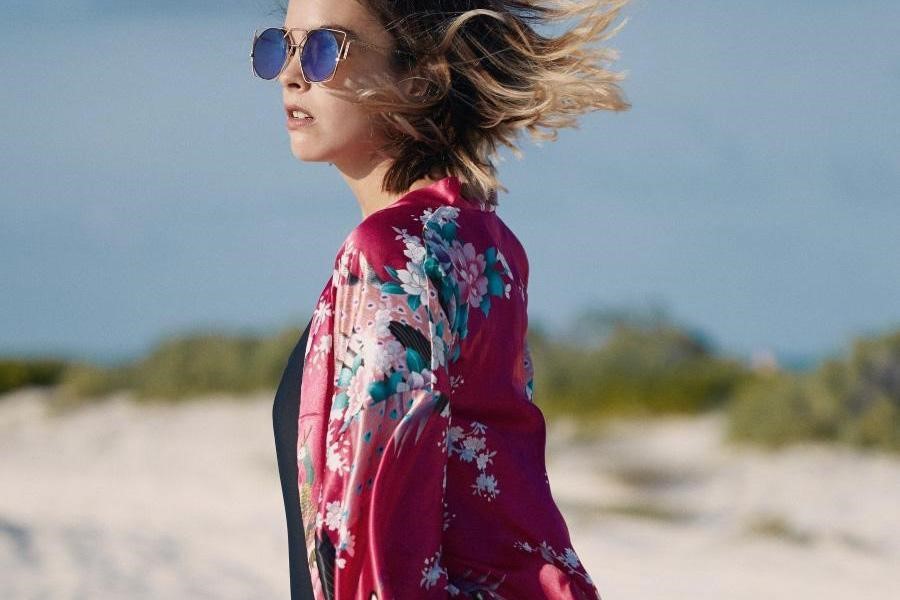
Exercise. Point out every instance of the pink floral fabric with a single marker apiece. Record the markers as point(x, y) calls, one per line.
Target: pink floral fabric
point(420, 451)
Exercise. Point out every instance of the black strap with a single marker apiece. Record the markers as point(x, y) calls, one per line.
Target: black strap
point(285, 411)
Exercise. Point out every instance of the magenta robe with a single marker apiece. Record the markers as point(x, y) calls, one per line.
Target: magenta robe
point(420, 451)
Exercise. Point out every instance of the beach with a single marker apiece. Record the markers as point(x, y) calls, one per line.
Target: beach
point(118, 499)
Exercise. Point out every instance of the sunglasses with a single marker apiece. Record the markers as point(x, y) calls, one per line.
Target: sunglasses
point(320, 52)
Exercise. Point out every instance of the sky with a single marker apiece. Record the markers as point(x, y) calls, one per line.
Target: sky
point(148, 188)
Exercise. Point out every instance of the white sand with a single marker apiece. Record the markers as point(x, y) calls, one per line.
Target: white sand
point(123, 501)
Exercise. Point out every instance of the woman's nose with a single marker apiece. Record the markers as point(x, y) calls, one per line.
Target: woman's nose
point(291, 74)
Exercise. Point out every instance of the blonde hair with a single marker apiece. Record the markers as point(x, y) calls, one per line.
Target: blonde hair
point(479, 74)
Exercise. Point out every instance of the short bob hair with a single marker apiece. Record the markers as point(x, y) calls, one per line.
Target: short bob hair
point(479, 74)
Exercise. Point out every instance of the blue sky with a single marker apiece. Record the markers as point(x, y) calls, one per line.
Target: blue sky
point(148, 184)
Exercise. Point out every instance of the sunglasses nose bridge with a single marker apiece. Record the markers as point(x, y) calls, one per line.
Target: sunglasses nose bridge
point(291, 48)
point(292, 45)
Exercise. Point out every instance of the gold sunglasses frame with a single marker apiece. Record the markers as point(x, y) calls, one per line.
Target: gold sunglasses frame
point(343, 50)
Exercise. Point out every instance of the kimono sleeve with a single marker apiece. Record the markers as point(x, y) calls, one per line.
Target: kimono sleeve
point(386, 443)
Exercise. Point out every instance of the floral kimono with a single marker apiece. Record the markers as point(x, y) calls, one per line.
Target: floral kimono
point(420, 453)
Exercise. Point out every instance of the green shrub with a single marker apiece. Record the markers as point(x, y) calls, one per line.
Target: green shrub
point(17, 373)
point(856, 401)
point(639, 368)
point(189, 365)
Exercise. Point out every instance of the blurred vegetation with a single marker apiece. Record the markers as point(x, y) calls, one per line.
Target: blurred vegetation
point(855, 400)
point(608, 363)
point(614, 363)
point(16, 373)
point(185, 366)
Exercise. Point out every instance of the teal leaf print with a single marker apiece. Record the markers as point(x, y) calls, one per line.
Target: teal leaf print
point(462, 317)
point(448, 231)
point(414, 301)
point(344, 377)
point(433, 270)
point(341, 401)
point(495, 283)
point(380, 391)
point(414, 361)
point(391, 287)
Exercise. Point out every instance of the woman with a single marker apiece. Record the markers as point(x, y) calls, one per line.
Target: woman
point(419, 463)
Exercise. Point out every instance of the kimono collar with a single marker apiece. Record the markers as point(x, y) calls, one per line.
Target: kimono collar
point(448, 190)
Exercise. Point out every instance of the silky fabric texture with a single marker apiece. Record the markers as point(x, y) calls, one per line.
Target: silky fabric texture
point(421, 465)
point(285, 412)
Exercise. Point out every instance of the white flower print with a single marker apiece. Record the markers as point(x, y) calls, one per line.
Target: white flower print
point(448, 516)
point(333, 512)
point(546, 551)
point(416, 380)
point(415, 251)
point(474, 443)
point(455, 433)
point(432, 571)
point(334, 460)
point(437, 352)
point(322, 311)
point(484, 459)
point(343, 269)
point(347, 540)
point(382, 322)
point(321, 347)
point(441, 215)
point(375, 361)
point(414, 281)
point(394, 357)
point(379, 357)
point(486, 486)
point(472, 447)
point(570, 558)
point(567, 559)
point(357, 393)
point(408, 239)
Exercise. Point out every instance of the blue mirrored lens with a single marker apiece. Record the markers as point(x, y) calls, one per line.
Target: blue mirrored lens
point(320, 54)
point(269, 53)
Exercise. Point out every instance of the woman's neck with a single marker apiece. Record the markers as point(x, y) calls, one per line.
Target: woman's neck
point(367, 188)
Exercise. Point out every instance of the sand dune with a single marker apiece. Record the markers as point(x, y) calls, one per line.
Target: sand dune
point(118, 500)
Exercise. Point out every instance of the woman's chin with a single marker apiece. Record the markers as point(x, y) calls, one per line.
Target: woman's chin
point(304, 153)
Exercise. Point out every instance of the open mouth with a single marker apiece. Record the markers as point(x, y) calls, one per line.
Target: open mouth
point(299, 115)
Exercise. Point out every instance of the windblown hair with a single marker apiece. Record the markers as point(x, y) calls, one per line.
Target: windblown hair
point(478, 75)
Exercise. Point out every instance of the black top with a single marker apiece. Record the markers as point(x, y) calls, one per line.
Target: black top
point(285, 412)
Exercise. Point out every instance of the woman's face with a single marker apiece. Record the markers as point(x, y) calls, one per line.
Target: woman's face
point(340, 132)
